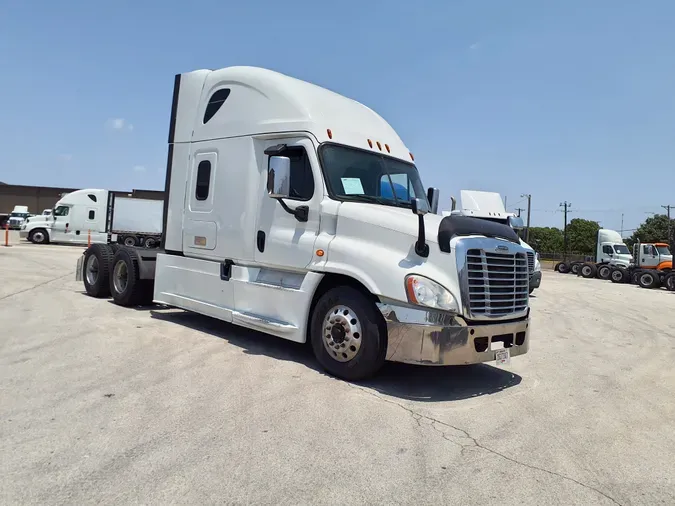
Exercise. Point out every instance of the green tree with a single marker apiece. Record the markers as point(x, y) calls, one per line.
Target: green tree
point(582, 236)
point(546, 239)
point(654, 229)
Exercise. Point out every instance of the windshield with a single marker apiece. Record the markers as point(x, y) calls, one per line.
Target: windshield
point(354, 174)
point(663, 250)
point(18, 215)
point(621, 249)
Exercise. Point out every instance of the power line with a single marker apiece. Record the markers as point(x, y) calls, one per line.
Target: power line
point(519, 209)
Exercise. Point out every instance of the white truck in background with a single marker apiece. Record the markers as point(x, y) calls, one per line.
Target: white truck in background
point(489, 206)
point(99, 216)
point(18, 217)
point(610, 252)
point(298, 212)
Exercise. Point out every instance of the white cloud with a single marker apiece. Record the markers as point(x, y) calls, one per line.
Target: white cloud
point(474, 45)
point(66, 157)
point(119, 124)
point(139, 168)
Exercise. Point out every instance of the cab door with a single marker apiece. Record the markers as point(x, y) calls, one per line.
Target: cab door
point(61, 223)
point(281, 240)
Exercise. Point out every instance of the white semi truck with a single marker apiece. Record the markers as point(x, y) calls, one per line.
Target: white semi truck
point(99, 216)
point(489, 206)
point(18, 217)
point(298, 212)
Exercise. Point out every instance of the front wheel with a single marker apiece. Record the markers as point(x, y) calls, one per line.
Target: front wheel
point(38, 236)
point(348, 334)
point(670, 282)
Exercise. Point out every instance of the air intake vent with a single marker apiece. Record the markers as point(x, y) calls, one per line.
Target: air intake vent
point(530, 261)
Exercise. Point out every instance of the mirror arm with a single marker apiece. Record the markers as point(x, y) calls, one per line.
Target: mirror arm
point(301, 213)
point(421, 246)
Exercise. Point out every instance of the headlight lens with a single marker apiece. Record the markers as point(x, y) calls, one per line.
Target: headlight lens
point(425, 292)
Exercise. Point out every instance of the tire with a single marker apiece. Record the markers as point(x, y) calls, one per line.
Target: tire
point(126, 286)
point(96, 270)
point(38, 236)
point(531, 290)
point(635, 278)
point(556, 267)
point(563, 267)
point(648, 279)
point(670, 282)
point(618, 275)
point(149, 242)
point(129, 241)
point(574, 267)
point(588, 270)
point(360, 351)
point(604, 272)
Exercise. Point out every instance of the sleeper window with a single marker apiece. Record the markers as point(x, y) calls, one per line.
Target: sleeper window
point(302, 180)
point(203, 180)
point(92, 214)
point(215, 102)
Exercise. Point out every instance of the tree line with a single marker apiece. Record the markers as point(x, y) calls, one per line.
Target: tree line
point(582, 234)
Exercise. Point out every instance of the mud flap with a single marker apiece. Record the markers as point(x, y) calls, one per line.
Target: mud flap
point(78, 269)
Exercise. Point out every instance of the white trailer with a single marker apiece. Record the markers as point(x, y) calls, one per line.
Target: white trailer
point(298, 212)
point(99, 216)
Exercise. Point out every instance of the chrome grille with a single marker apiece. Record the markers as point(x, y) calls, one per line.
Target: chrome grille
point(530, 261)
point(498, 283)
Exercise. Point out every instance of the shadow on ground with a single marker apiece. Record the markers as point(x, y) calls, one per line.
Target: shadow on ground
point(419, 383)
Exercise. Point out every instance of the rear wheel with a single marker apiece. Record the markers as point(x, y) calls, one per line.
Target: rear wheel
point(563, 267)
point(129, 241)
point(588, 270)
point(618, 275)
point(38, 236)
point(348, 334)
point(648, 279)
point(97, 261)
point(670, 282)
point(574, 267)
point(604, 271)
point(126, 286)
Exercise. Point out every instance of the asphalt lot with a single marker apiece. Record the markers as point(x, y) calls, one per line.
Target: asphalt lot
point(102, 404)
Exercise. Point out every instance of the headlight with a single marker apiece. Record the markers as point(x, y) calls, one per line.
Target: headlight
point(422, 291)
point(536, 255)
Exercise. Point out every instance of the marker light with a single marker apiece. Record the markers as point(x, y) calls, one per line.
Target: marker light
point(330, 134)
point(370, 143)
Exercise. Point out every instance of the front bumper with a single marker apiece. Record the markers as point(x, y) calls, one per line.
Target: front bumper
point(535, 279)
point(420, 336)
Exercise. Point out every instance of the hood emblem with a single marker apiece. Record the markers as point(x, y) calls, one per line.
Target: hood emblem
point(502, 248)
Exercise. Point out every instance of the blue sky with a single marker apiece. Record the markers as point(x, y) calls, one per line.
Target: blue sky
point(569, 100)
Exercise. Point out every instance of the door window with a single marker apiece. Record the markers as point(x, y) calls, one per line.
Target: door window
point(61, 211)
point(92, 214)
point(607, 250)
point(203, 180)
point(302, 180)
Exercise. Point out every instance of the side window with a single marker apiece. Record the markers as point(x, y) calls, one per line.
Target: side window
point(647, 250)
point(607, 250)
point(215, 102)
point(203, 180)
point(61, 211)
point(302, 180)
point(92, 197)
point(92, 214)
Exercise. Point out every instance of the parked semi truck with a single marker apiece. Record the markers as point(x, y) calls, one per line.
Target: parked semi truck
point(18, 216)
point(651, 268)
point(99, 216)
point(274, 219)
point(489, 206)
point(610, 251)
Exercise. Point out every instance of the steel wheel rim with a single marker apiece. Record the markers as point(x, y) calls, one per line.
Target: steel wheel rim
point(92, 270)
point(670, 283)
point(120, 277)
point(586, 270)
point(341, 333)
point(646, 279)
point(38, 237)
point(617, 275)
point(604, 272)
point(129, 242)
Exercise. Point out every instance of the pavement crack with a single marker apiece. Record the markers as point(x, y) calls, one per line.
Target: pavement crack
point(38, 285)
point(473, 442)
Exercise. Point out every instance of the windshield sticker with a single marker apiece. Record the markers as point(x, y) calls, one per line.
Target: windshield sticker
point(352, 186)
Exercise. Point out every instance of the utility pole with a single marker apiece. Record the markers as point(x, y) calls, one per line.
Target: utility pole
point(529, 205)
point(519, 209)
point(621, 232)
point(565, 205)
point(670, 234)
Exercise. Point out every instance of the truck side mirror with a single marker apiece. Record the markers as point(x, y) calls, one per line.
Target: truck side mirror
point(279, 177)
point(516, 222)
point(420, 207)
point(433, 195)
